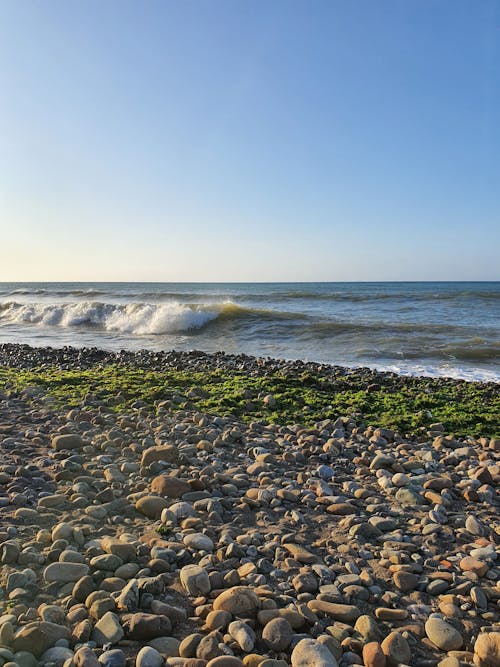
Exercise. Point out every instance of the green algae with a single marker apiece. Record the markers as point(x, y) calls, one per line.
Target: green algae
point(406, 404)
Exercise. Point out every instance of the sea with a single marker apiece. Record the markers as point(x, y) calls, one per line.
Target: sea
point(420, 328)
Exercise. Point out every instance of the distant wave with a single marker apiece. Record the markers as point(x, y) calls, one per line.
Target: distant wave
point(53, 292)
point(266, 296)
point(388, 296)
point(132, 318)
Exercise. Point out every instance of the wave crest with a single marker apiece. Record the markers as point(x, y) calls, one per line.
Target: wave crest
point(133, 318)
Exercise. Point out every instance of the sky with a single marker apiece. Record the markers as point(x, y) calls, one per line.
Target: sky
point(269, 140)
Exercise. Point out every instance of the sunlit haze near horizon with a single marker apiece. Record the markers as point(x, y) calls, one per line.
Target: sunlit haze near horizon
point(249, 141)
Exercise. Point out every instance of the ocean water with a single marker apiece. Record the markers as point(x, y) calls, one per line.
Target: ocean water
point(449, 329)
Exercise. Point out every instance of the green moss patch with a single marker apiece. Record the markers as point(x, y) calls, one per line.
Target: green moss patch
point(406, 404)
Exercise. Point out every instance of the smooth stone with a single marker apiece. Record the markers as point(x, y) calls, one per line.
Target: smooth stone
point(26, 659)
point(408, 498)
point(224, 661)
point(387, 614)
point(346, 613)
point(167, 646)
point(470, 564)
point(195, 580)
point(277, 634)
point(151, 506)
point(167, 453)
point(108, 562)
point(405, 581)
point(198, 541)
point(123, 550)
point(443, 635)
point(396, 649)
point(67, 441)
point(143, 627)
point(168, 486)
point(382, 461)
point(38, 637)
point(373, 656)
point(238, 600)
point(311, 653)
point(115, 657)
point(149, 657)
point(57, 655)
point(65, 572)
point(243, 635)
point(367, 628)
point(301, 554)
point(62, 531)
point(487, 649)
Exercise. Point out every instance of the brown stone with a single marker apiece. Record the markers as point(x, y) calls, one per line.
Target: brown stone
point(373, 656)
point(405, 581)
point(168, 486)
point(469, 564)
point(396, 649)
point(167, 453)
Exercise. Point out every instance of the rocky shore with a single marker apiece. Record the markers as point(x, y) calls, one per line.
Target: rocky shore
point(165, 535)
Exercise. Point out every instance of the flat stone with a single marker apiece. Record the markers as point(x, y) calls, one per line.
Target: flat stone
point(67, 441)
point(65, 572)
point(300, 553)
point(346, 613)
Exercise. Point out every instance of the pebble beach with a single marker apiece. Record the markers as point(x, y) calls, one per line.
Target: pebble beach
point(154, 533)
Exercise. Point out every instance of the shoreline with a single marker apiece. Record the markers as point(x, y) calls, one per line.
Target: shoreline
point(220, 383)
point(142, 357)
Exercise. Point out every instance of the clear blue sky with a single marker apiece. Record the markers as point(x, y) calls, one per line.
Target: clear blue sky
point(236, 140)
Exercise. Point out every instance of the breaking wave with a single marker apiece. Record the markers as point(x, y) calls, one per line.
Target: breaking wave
point(132, 318)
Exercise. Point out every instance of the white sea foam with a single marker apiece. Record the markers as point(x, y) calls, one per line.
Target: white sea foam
point(132, 318)
point(445, 370)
